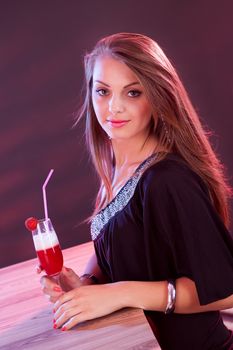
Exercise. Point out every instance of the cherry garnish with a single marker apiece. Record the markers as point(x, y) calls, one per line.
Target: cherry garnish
point(31, 223)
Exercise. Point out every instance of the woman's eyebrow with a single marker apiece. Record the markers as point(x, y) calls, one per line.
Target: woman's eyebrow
point(135, 82)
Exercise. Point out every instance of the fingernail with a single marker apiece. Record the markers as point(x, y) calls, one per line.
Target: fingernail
point(54, 326)
point(64, 328)
point(57, 289)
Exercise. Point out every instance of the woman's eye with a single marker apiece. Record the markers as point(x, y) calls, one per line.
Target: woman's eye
point(101, 92)
point(134, 93)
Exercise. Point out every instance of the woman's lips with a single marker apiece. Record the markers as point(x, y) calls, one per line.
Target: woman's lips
point(117, 123)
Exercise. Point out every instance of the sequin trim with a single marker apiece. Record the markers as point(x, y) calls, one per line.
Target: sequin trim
point(120, 200)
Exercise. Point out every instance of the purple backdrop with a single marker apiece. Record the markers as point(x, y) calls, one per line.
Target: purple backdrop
point(42, 46)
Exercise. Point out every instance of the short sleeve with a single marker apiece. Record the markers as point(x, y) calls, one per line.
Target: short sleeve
point(184, 235)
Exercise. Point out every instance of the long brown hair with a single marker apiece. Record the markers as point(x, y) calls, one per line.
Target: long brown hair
point(183, 133)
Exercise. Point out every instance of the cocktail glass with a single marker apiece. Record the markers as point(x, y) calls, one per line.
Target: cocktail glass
point(47, 247)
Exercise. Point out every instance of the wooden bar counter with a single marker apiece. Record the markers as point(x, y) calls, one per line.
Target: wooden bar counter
point(26, 316)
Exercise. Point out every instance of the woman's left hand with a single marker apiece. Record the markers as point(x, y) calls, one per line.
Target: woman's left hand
point(85, 303)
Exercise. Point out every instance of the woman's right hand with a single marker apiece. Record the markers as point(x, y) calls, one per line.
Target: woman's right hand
point(54, 287)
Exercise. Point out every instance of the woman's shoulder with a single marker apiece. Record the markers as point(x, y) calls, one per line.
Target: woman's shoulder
point(171, 168)
point(171, 172)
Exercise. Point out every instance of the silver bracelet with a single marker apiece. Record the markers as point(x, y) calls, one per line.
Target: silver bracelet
point(171, 297)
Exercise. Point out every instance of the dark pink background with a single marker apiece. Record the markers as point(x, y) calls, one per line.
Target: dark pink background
point(41, 48)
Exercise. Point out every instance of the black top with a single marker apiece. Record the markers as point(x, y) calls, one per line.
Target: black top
point(162, 225)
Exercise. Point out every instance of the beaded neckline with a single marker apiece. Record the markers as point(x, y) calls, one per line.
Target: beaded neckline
point(120, 200)
point(136, 171)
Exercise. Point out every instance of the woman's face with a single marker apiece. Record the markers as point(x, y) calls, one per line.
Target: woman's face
point(119, 100)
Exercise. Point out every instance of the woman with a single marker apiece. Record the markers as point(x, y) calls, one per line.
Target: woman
point(160, 221)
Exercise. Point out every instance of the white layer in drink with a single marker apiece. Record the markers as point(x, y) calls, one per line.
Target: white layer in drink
point(44, 241)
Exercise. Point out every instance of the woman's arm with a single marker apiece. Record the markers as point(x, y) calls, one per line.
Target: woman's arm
point(88, 302)
point(153, 296)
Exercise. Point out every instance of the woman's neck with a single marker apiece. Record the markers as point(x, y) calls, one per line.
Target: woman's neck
point(131, 152)
point(129, 155)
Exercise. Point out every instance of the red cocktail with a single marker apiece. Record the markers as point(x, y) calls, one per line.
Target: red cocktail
point(47, 246)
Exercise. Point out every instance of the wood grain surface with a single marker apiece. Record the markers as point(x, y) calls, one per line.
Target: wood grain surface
point(26, 315)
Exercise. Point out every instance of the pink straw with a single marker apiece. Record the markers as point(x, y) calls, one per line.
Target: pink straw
point(44, 193)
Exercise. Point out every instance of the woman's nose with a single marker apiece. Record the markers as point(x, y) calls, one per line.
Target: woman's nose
point(115, 105)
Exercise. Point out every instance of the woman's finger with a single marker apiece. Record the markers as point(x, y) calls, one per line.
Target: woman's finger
point(66, 316)
point(51, 299)
point(50, 288)
point(68, 308)
point(54, 298)
point(47, 281)
point(52, 295)
point(64, 299)
point(54, 289)
point(73, 321)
